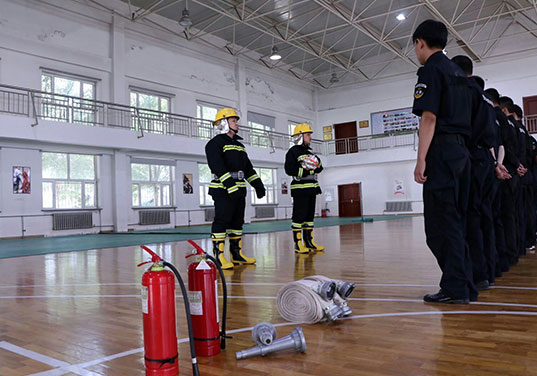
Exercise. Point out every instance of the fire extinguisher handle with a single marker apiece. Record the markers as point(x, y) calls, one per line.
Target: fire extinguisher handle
point(143, 263)
point(154, 256)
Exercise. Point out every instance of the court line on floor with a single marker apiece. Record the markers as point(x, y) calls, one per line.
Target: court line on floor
point(64, 370)
point(45, 360)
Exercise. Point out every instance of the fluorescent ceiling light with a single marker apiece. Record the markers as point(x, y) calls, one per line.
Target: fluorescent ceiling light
point(401, 17)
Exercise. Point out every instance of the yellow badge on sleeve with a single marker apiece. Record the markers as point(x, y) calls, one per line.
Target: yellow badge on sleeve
point(419, 91)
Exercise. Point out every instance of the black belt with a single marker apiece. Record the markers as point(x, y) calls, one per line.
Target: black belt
point(449, 139)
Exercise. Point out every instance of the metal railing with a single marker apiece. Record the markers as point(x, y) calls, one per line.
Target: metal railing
point(365, 143)
point(62, 108)
point(531, 123)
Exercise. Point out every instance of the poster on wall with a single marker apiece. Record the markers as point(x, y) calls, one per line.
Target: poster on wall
point(21, 180)
point(388, 122)
point(284, 186)
point(399, 190)
point(187, 184)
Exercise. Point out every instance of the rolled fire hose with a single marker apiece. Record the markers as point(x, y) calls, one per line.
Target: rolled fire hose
point(344, 290)
point(308, 301)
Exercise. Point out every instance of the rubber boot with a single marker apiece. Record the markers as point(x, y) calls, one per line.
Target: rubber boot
point(235, 248)
point(218, 249)
point(299, 245)
point(308, 240)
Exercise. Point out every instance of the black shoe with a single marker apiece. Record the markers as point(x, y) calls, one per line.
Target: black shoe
point(440, 297)
point(482, 285)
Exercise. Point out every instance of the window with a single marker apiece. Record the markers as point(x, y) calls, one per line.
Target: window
point(268, 177)
point(261, 127)
point(151, 112)
point(291, 128)
point(151, 185)
point(206, 112)
point(205, 178)
point(59, 106)
point(69, 181)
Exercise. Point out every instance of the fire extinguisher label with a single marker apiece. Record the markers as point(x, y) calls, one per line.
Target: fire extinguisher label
point(145, 308)
point(196, 302)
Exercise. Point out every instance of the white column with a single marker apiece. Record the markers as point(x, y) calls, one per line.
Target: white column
point(118, 86)
point(121, 191)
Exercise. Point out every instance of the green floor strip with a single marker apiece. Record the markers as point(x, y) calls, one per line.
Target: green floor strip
point(39, 246)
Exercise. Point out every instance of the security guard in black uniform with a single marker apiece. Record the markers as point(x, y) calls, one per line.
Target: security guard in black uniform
point(507, 186)
point(482, 167)
point(303, 166)
point(230, 166)
point(443, 101)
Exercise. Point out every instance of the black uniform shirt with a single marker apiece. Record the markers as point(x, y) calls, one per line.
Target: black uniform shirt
point(483, 119)
point(443, 89)
point(509, 139)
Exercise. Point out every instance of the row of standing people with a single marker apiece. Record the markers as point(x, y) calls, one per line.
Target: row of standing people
point(477, 164)
point(232, 169)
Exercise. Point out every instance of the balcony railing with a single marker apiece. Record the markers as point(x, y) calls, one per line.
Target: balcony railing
point(366, 143)
point(63, 108)
point(531, 123)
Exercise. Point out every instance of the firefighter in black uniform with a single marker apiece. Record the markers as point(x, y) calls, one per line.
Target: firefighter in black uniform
point(303, 166)
point(230, 166)
point(479, 214)
point(443, 101)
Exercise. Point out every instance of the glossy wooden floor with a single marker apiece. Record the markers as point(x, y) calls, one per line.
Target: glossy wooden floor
point(80, 313)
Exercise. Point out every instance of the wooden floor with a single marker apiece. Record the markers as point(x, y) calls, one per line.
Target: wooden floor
point(79, 313)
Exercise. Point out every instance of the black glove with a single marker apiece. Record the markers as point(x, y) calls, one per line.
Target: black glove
point(260, 191)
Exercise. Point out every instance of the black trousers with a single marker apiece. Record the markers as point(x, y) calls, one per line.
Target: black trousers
point(509, 191)
point(445, 199)
point(502, 261)
point(228, 212)
point(479, 213)
point(303, 209)
point(530, 216)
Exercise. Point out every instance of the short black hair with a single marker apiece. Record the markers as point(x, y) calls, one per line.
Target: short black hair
point(465, 63)
point(480, 82)
point(518, 111)
point(434, 33)
point(504, 102)
point(493, 95)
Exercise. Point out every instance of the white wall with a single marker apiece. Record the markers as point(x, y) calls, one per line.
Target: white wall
point(85, 40)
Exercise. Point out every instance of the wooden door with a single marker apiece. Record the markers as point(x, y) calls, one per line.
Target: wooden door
point(350, 200)
point(530, 113)
point(346, 138)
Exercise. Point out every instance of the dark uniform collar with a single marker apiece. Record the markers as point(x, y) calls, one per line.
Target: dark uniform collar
point(307, 147)
point(435, 57)
point(235, 137)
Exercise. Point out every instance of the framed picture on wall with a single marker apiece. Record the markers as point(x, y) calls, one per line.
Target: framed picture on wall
point(21, 180)
point(284, 186)
point(188, 189)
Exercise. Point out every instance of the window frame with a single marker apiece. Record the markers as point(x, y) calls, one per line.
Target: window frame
point(273, 187)
point(204, 187)
point(157, 187)
point(83, 183)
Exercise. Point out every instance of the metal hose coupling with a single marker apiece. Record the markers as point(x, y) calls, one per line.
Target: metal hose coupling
point(294, 341)
point(264, 333)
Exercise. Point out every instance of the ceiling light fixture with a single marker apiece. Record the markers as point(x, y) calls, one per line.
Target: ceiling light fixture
point(334, 79)
point(185, 21)
point(274, 54)
point(401, 17)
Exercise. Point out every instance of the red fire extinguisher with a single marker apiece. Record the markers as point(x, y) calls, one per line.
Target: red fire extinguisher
point(158, 307)
point(203, 296)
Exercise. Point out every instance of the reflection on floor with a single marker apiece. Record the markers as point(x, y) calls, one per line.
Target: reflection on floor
point(79, 313)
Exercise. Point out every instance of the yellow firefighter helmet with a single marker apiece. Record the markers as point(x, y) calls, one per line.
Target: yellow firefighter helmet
point(225, 113)
point(301, 129)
